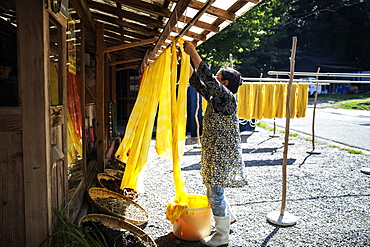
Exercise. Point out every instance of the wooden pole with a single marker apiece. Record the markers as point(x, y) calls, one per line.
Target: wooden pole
point(314, 114)
point(197, 121)
point(287, 125)
point(281, 217)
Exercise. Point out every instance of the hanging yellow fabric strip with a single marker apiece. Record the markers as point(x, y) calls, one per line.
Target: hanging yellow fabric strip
point(258, 90)
point(302, 100)
point(176, 207)
point(293, 100)
point(269, 95)
point(267, 100)
point(131, 128)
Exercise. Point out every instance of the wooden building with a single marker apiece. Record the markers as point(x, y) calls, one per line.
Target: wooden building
point(99, 44)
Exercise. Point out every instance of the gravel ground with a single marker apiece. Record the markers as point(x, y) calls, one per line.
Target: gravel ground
point(326, 192)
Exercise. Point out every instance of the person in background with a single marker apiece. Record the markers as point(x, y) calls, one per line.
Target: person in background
point(221, 153)
point(8, 84)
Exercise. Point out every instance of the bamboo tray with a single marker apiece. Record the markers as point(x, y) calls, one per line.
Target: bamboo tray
point(113, 172)
point(119, 224)
point(113, 183)
point(115, 204)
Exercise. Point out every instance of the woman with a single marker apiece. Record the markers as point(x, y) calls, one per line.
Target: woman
point(221, 155)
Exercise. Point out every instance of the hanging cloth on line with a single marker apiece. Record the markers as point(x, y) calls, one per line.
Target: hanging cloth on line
point(134, 147)
point(259, 100)
point(160, 86)
point(176, 207)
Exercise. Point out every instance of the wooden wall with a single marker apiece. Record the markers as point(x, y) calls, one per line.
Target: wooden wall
point(12, 227)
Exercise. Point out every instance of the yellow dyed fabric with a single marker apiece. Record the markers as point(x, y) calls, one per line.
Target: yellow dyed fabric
point(135, 145)
point(293, 100)
point(161, 88)
point(74, 142)
point(204, 105)
point(280, 99)
point(259, 100)
point(244, 98)
point(176, 207)
point(257, 95)
point(269, 109)
point(302, 100)
point(54, 88)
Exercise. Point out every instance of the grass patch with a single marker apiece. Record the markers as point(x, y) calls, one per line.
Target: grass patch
point(266, 126)
point(262, 125)
point(359, 104)
point(351, 151)
point(341, 97)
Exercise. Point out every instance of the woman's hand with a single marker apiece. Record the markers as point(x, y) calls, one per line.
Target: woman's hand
point(189, 49)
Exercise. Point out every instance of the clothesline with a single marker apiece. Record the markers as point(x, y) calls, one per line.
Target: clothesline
point(318, 74)
point(281, 82)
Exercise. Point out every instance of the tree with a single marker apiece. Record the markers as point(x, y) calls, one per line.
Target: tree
point(261, 39)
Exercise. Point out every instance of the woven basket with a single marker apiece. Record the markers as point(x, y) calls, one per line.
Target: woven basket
point(119, 224)
point(115, 204)
point(129, 193)
point(104, 176)
point(116, 173)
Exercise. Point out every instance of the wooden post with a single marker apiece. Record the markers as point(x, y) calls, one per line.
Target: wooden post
point(287, 124)
point(283, 218)
point(33, 50)
point(100, 97)
point(313, 151)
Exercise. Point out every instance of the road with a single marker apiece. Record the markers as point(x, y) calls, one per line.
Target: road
point(347, 127)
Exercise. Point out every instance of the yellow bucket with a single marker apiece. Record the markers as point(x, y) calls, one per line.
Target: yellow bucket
point(195, 222)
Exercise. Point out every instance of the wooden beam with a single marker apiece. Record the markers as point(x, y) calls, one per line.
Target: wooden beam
point(146, 7)
point(125, 33)
point(171, 23)
point(128, 67)
point(125, 61)
point(125, 14)
point(130, 45)
point(33, 72)
point(100, 97)
point(83, 12)
point(220, 13)
point(124, 24)
point(201, 24)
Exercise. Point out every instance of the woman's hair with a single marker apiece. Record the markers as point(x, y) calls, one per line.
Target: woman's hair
point(234, 78)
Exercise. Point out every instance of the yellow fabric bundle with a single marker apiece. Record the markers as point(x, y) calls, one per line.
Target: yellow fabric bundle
point(302, 100)
point(280, 99)
point(204, 105)
point(257, 99)
point(54, 83)
point(163, 143)
point(134, 147)
point(293, 102)
point(244, 96)
point(176, 207)
point(159, 86)
point(74, 142)
point(269, 109)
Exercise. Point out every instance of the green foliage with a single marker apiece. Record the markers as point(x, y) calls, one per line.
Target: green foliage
point(65, 233)
point(243, 35)
point(261, 39)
